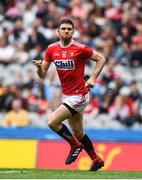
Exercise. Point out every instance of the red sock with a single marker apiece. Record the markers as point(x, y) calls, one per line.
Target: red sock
point(88, 146)
point(65, 133)
point(92, 154)
point(73, 141)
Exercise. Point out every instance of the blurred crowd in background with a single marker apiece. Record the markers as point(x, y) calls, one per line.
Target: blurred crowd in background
point(112, 27)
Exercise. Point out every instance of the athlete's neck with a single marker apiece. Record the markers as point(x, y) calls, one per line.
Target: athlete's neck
point(65, 44)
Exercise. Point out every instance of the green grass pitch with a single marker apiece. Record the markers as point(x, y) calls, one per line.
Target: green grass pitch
point(66, 174)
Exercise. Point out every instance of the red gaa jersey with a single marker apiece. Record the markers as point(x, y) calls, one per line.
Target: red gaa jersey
point(70, 64)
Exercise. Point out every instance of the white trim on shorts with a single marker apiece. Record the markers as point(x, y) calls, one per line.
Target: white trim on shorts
point(76, 102)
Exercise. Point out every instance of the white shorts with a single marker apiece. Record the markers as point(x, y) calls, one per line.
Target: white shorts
point(76, 102)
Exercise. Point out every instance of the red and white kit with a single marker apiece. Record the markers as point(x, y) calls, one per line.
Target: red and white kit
point(70, 64)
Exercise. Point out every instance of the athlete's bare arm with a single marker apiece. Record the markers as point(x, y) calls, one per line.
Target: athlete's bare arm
point(100, 62)
point(42, 67)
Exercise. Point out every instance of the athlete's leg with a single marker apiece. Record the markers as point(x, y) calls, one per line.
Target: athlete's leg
point(57, 117)
point(55, 123)
point(76, 124)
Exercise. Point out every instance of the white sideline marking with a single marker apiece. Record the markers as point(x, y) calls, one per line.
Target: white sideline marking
point(12, 171)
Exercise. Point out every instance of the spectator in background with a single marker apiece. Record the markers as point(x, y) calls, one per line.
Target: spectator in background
point(109, 72)
point(124, 56)
point(78, 10)
point(120, 111)
point(136, 55)
point(134, 91)
point(6, 52)
point(18, 36)
point(128, 102)
point(106, 100)
point(92, 108)
point(22, 56)
point(36, 38)
point(137, 38)
point(125, 93)
point(17, 117)
point(38, 102)
point(125, 34)
point(136, 96)
point(7, 97)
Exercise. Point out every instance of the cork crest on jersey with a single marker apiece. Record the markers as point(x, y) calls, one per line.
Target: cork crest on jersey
point(67, 64)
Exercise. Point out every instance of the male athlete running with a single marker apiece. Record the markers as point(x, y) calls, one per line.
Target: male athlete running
point(69, 58)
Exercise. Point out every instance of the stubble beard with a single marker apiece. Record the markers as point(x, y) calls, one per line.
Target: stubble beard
point(66, 37)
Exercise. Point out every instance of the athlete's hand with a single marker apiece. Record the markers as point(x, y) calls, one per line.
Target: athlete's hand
point(38, 63)
point(41, 73)
point(90, 83)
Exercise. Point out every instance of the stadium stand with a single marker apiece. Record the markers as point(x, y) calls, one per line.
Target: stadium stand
point(111, 27)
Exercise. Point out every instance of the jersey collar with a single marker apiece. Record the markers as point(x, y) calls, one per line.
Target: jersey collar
point(67, 45)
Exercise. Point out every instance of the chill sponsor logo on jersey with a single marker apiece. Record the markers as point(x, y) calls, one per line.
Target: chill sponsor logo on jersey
point(65, 64)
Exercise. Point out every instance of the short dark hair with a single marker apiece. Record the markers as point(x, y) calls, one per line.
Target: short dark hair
point(66, 21)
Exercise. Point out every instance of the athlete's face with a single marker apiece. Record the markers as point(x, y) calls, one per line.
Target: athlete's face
point(66, 31)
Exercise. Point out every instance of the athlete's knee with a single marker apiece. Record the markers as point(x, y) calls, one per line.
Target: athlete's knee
point(51, 123)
